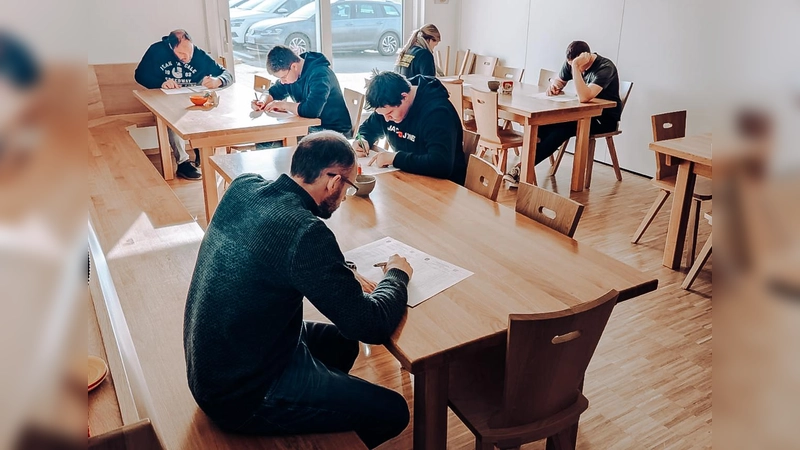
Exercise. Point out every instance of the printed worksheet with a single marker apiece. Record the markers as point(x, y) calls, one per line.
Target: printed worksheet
point(555, 98)
point(366, 169)
point(431, 274)
point(185, 90)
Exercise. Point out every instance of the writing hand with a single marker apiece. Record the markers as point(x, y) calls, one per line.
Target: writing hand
point(211, 82)
point(398, 262)
point(382, 159)
point(170, 84)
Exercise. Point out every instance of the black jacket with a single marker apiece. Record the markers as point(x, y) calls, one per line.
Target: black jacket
point(417, 61)
point(160, 64)
point(428, 140)
point(318, 93)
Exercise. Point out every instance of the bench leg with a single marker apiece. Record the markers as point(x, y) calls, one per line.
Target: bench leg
point(164, 149)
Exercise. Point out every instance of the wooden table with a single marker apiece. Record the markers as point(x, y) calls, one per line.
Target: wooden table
point(522, 107)
point(519, 267)
point(231, 122)
point(693, 156)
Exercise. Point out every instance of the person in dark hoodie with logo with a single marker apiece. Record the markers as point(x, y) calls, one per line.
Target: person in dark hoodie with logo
point(310, 82)
point(175, 62)
point(420, 123)
point(416, 57)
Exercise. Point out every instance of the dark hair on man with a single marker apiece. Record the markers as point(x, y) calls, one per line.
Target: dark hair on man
point(575, 49)
point(280, 58)
point(321, 151)
point(176, 37)
point(386, 89)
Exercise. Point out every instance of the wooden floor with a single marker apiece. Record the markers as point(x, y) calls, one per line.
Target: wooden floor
point(649, 384)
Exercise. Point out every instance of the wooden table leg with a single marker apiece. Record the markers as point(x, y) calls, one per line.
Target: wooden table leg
point(681, 203)
point(430, 408)
point(581, 159)
point(290, 141)
point(209, 182)
point(165, 149)
point(528, 153)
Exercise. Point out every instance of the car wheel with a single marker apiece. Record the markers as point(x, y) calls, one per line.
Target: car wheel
point(388, 44)
point(298, 42)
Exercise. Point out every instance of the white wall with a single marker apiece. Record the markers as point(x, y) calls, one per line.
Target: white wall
point(120, 31)
point(446, 17)
point(657, 44)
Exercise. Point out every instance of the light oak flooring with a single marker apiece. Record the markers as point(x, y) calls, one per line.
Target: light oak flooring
point(649, 384)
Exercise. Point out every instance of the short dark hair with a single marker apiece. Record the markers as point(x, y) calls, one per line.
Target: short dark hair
point(386, 89)
point(575, 48)
point(280, 58)
point(320, 151)
point(176, 37)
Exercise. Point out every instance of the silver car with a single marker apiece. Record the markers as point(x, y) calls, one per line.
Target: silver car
point(249, 12)
point(355, 25)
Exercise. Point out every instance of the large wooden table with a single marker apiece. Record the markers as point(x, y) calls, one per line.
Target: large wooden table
point(522, 107)
point(519, 266)
point(693, 156)
point(231, 122)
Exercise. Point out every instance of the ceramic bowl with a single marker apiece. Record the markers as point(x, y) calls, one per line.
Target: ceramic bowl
point(198, 100)
point(493, 85)
point(365, 183)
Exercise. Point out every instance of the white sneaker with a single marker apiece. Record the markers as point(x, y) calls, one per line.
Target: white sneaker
point(512, 177)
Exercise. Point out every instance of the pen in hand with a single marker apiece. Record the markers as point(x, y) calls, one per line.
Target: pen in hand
point(380, 264)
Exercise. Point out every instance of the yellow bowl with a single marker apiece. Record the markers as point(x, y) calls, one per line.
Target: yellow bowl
point(198, 100)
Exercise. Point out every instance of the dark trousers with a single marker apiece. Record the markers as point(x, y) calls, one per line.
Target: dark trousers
point(552, 136)
point(316, 395)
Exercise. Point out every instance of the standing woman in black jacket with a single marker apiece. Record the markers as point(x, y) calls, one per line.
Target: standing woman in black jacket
point(416, 57)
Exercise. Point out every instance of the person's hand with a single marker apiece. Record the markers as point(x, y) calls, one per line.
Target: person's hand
point(580, 61)
point(211, 82)
point(359, 147)
point(257, 105)
point(367, 285)
point(276, 105)
point(170, 84)
point(398, 262)
point(382, 159)
point(553, 89)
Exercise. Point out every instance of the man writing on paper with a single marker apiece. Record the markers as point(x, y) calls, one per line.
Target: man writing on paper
point(254, 366)
point(598, 79)
point(420, 123)
point(175, 62)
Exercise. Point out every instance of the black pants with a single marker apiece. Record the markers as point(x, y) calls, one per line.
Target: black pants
point(552, 136)
point(316, 395)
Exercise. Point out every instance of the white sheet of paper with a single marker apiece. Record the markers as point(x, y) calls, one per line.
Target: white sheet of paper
point(431, 274)
point(366, 169)
point(555, 98)
point(185, 90)
point(280, 114)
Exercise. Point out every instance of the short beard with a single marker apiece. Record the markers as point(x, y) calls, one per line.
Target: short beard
point(329, 205)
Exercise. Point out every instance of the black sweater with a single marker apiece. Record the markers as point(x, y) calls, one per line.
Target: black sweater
point(428, 140)
point(318, 92)
point(160, 64)
point(416, 61)
point(264, 250)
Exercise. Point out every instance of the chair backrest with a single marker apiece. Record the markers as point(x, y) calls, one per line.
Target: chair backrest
point(483, 178)
point(484, 107)
point(442, 58)
point(261, 84)
point(355, 104)
point(509, 73)
point(625, 91)
point(548, 208)
point(456, 91)
point(546, 359)
point(463, 58)
point(545, 76)
point(669, 125)
point(484, 65)
point(470, 142)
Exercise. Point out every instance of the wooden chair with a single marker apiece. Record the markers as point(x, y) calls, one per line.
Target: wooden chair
point(483, 65)
point(508, 73)
point(545, 77)
point(531, 389)
point(260, 85)
point(463, 58)
point(705, 252)
point(456, 91)
point(624, 91)
point(671, 126)
point(483, 178)
point(484, 106)
point(355, 105)
point(470, 142)
point(548, 208)
point(442, 59)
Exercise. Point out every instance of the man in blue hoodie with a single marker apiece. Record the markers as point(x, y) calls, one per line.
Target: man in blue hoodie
point(420, 123)
point(175, 62)
point(310, 82)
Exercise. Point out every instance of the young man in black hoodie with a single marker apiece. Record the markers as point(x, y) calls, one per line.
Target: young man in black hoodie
point(310, 82)
point(420, 124)
point(175, 62)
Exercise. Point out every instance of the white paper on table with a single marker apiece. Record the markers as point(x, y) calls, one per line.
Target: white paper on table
point(366, 169)
point(431, 275)
point(185, 90)
point(555, 98)
point(280, 114)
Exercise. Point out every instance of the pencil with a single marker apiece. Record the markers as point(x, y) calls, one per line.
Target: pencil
point(380, 264)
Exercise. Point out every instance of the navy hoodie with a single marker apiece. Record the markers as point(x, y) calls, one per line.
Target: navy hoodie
point(428, 140)
point(416, 61)
point(318, 93)
point(160, 64)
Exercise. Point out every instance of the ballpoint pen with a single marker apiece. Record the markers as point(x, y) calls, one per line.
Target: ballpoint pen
point(380, 264)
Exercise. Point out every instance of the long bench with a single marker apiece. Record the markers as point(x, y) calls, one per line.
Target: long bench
point(143, 245)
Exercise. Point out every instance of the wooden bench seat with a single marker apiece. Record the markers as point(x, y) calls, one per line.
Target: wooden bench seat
point(143, 246)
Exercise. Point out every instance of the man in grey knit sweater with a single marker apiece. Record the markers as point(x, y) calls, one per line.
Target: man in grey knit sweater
point(253, 365)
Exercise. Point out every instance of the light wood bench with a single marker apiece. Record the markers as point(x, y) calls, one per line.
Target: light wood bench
point(143, 246)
